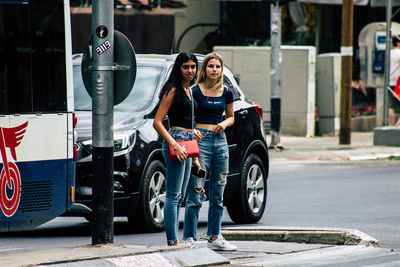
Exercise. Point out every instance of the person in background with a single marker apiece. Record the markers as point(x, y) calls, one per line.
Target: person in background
point(394, 103)
point(176, 101)
point(213, 100)
point(359, 93)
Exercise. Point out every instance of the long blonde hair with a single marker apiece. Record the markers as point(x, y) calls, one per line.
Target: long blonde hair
point(203, 74)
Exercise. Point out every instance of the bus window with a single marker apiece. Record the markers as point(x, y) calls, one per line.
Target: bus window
point(32, 70)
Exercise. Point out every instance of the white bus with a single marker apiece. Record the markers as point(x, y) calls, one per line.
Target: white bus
point(36, 113)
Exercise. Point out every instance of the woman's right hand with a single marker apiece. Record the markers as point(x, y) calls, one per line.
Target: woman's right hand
point(180, 152)
point(196, 163)
point(197, 170)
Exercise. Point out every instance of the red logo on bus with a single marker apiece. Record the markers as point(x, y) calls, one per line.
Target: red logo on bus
point(10, 179)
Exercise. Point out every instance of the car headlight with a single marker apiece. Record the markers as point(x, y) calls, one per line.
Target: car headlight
point(122, 141)
point(87, 143)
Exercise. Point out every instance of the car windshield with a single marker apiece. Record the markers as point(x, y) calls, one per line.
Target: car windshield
point(139, 97)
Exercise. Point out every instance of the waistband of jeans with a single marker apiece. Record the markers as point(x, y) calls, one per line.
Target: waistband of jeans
point(202, 130)
point(171, 130)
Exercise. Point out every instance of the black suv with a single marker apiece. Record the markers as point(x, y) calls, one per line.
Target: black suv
point(139, 168)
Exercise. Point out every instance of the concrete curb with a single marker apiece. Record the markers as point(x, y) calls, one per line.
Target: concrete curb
point(113, 255)
point(380, 156)
point(374, 157)
point(332, 236)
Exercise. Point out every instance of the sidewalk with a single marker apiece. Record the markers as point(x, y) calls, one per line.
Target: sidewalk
point(253, 243)
point(328, 148)
point(274, 241)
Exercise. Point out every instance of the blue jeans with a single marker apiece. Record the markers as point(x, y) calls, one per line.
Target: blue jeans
point(177, 179)
point(214, 158)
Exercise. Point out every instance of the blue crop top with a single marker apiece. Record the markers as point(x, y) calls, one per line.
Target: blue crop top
point(210, 109)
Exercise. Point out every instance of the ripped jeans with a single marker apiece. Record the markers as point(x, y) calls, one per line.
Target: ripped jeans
point(214, 159)
point(177, 179)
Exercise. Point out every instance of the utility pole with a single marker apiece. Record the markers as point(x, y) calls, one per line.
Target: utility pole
point(387, 62)
point(102, 124)
point(275, 74)
point(346, 51)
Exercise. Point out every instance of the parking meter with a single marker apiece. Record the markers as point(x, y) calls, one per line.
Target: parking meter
point(378, 56)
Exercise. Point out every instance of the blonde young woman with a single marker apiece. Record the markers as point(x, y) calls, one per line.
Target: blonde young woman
point(213, 99)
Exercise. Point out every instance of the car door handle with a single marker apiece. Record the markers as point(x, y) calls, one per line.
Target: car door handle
point(243, 113)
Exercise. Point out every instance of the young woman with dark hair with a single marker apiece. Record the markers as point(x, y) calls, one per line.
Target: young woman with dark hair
point(176, 101)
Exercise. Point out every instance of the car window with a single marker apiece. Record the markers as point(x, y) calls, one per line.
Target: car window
point(143, 90)
point(228, 83)
point(82, 100)
point(140, 96)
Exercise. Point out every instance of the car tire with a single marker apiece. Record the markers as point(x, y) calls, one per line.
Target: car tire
point(152, 196)
point(249, 206)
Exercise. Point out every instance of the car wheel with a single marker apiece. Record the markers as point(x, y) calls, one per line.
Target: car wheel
point(151, 199)
point(249, 206)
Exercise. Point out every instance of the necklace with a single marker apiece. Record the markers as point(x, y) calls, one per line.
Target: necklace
point(209, 86)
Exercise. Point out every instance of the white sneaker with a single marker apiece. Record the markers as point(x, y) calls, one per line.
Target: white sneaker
point(220, 244)
point(189, 242)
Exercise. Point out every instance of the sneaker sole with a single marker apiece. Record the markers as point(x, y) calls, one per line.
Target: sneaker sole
point(221, 249)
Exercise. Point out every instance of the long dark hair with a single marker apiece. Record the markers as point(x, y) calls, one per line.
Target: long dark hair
point(175, 78)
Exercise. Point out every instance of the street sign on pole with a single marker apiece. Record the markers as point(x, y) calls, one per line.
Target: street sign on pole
point(124, 66)
point(108, 51)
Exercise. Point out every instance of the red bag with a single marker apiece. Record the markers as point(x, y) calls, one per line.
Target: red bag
point(190, 146)
point(397, 89)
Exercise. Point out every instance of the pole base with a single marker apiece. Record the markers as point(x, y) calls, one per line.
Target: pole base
point(275, 141)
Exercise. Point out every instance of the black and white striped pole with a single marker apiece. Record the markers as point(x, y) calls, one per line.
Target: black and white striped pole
point(108, 73)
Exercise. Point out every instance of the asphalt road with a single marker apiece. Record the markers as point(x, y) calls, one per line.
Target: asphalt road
point(361, 195)
point(358, 195)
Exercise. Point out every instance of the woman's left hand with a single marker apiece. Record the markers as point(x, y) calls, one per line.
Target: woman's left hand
point(219, 128)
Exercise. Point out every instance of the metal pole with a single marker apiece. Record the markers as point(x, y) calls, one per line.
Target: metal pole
point(346, 52)
point(317, 13)
point(387, 61)
point(102, 125)
point(275, 73)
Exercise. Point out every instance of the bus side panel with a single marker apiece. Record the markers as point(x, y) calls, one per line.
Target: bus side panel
point(71, 162)
point(43, 193)
point(4, 220)
point(40, 165)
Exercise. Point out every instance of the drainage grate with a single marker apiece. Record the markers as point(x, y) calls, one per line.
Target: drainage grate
point(36, 196)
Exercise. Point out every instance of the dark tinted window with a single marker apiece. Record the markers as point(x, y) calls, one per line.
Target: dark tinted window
point(228, 83)
point(144, 89)
point(140, 97)
point(32, 56)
